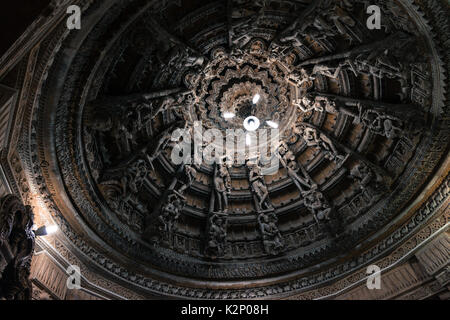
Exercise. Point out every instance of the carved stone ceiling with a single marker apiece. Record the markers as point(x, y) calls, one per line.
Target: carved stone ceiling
point(360, 118)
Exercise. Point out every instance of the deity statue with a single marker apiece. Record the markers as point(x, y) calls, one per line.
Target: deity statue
point(288, 160)
point(381, 123)
point(317, 204)
point(324, 215)
point(259, 186)
point(222, 186)
point(217, 234)
point(170, 212)
point(367, 179)
point(134, 179)
point(314, 138)
point(189, 174)
point(310, 102)
point(272, 239)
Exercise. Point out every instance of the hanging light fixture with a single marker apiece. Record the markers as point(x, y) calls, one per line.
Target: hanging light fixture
point(251, 123)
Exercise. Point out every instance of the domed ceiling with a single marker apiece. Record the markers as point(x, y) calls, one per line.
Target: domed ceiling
point(358, 112)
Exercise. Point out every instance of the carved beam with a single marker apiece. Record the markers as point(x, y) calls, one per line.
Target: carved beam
point(372, 48)
point(127, 99)
point(167, 37)
point(308, 11)
point(377, 168)
point(398, 109)
point(230, 22)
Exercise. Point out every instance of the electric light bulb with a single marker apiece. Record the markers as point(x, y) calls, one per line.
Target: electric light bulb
point(272, 124)
point(248, 140)
point(229, 115)
point(256, 98)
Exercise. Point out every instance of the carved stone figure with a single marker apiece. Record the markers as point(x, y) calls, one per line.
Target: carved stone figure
point(16, 249)
point(181, 56)
point(288, 160)
point(272, 239)
point(313, 138)
point(144, 118)
point(317, 204)
point(217, 234)
point(381, 123)
point(343, 22)
point(294, 39)
point(259, 187)
point(170, 212)
point(367, 179)
point(189, 174)
point(117, 123)
point(329, 71)
point(302, 79)
point(222, 186)
point(324, 214)
point(163, 142)
point(306, 105)
point(134, 178)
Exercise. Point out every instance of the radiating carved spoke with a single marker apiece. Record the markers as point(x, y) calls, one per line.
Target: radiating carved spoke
point(385, 119)
point(180, 53)
point(374, 49)
point(229, 13)
point(308, 13)
point(334, 150)
point(149, 151)
point(313, 199)
point(241, 28)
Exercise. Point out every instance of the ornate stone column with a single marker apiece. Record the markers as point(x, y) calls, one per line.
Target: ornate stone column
point(16, 248)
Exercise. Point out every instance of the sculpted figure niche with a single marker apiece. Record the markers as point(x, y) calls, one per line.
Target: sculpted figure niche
point(189, 175)
point(170, 212)
point(288, 161)
point(216, 234)
point(222, 187)
point(313, 198)
point(259, 187)
point(380, 123)
point(368, 180)
point(216, 228)
point(267, 219)
point(272, 239)
point(324, 214)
